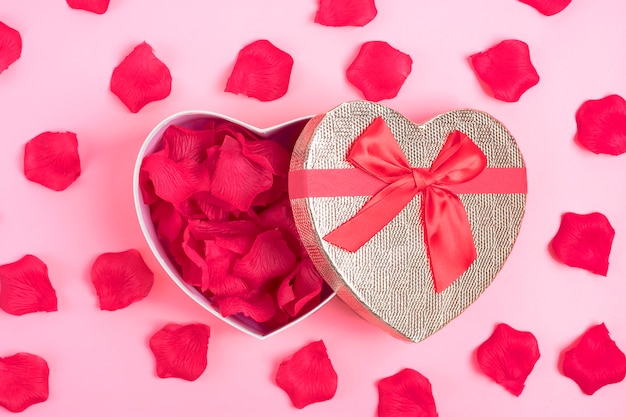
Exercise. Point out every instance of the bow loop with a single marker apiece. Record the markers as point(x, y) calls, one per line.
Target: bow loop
point(447, 232)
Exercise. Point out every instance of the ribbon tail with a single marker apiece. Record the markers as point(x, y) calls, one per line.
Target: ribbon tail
point(373, 216)
point(448, 236)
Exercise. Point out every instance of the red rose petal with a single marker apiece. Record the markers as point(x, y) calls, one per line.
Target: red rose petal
point(182, 143)
point(379, 70)
point(506, 69)
point(548, 7)
point(26, 288)
point(236, 179)
point(262, 71)
point(308, 375)
point(584, 241)
point(407, 393)
point(181, 350)
point(508, 357)
point(120, 279)
point(269, 257)
point(141, 79)
point(94, 6)
point(51, 159)
point(602, 125)
point(259, 306)
point(345, 12)
point(595, 361)
point(300, 289)
point(10, 46)
point(23, 381)
point(175, 181)
point(168, 221)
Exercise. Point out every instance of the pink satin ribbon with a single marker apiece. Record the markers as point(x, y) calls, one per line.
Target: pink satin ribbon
point(447, 231)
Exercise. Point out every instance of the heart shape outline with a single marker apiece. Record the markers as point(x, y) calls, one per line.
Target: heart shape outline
point(196, 118)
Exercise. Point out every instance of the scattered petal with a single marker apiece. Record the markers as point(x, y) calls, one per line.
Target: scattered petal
point(181, 350)
point(379, 70)
point(548, 7)
point(602, 125)
point(269, 257)
point(26, 288)
point(508, 357)
point(308, 375)
point(141, 78)
point(10, 46)
point(345, 12)
point(51, 159)
point(120, 279)
point(262, 71)
point(584, 241)
point(506, 69)
point(23, 381)
point(595, 361)
point(405, 394)
point(94, 6)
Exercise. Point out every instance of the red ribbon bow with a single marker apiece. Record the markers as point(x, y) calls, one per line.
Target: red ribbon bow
point(447, 230)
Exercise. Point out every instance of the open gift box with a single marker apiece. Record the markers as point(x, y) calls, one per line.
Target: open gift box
point(408, 224)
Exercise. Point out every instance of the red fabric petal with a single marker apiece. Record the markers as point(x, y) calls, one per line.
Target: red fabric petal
point(379, 70)
point(506, 69)
point(120, 279)
point(181, 350)
point(595, 361)
point(23, 381)
point(94, 6)
point(584, 241)
point(182, 143)
point(345, 12)
point(26, 288)
point(602, 125)
point(175, 181)
point(236, 179)
point(169, 223)
point(279, 216)
point(301, 290)
point(407, 393)
point(308, 375)
point(51, 159)
point(10, 46)
point(508, 357)
point(269, 257)
point(141, 78)
point(259, 306)
point(548, 7)
point(262, 71)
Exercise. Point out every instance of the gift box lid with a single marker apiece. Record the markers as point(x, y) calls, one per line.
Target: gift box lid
point(408, 223)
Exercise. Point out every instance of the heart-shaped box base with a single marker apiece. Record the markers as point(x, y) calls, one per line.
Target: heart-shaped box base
point(284, 134)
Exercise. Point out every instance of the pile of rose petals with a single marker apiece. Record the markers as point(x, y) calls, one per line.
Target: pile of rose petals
point(218, 199)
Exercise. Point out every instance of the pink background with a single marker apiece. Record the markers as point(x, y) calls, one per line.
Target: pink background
point(100, 363)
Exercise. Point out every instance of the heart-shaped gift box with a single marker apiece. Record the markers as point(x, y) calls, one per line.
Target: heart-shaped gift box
point(407, 223)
